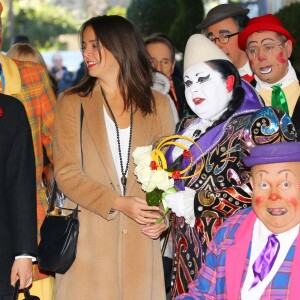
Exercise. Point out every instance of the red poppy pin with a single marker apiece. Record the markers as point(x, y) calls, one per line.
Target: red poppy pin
point(1, 111)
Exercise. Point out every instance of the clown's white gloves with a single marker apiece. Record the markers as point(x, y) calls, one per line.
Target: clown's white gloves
point(182, 205)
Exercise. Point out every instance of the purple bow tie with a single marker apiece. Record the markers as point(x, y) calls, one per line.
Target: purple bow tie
point(265, 261)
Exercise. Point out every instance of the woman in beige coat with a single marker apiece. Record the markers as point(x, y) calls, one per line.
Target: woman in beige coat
point(118, 256)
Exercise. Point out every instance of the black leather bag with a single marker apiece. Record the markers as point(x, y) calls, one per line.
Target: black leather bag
point(58, 245)
point(59, 234)
point(25, 291)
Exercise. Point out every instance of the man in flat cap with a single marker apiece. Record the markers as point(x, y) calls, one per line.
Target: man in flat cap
point(222, 25)
point(255, 254)
point(269, 46)
point(29, 83)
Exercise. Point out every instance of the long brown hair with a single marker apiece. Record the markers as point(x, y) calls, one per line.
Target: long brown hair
point(124, 41)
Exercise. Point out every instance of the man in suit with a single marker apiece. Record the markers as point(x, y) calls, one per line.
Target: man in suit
point(29, 82)
point(269, 46)
point(162, 56)
point(18, 223)
point(222, 25)
point(255, 254)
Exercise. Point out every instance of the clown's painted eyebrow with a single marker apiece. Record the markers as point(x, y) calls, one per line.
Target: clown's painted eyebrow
point(203, 77)
point(286, 170)
point(279, 172)
point(261, 171)
point(266, 39)
point(197, 74)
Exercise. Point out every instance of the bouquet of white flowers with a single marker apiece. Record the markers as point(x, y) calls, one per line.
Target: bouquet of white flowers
point(152, 170)
point(154, 181)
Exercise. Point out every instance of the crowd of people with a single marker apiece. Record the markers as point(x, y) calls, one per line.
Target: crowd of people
point(232, 228)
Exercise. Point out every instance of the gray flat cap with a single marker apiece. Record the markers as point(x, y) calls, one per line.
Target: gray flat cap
point(220, 13)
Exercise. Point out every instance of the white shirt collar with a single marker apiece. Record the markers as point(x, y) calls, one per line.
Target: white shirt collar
point(245, 69)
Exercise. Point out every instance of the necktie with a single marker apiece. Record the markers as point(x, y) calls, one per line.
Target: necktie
point(265, 261)
point(278, 98)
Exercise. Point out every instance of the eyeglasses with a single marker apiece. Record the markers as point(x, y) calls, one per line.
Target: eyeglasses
point(223, 38)
point(265, 49)
point(163, 63)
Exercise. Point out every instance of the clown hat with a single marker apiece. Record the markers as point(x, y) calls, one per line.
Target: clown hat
point(273, 153)
point(201, 49)
point(263, 23)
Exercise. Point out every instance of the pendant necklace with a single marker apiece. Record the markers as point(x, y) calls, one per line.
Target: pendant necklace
point(124, 172)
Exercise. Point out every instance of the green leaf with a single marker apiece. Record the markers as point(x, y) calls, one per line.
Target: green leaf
point(154, 198)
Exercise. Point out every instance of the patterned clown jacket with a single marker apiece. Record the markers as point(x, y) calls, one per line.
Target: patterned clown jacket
point(222, 187)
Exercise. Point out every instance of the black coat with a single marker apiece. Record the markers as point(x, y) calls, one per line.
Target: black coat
point(296, 118)
point(184, 109)
point(18, 225)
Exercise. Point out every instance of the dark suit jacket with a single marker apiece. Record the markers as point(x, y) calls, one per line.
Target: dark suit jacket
point(296, 118)
point(17, 188)
point(184, 109)
point(296, 113)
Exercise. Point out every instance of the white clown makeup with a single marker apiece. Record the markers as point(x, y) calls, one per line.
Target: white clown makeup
point(206, 92)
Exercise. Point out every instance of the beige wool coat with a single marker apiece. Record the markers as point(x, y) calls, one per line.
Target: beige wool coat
point(115, 261)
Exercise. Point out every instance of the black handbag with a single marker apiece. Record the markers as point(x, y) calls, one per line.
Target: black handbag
point(59, 234)
point(25, 291)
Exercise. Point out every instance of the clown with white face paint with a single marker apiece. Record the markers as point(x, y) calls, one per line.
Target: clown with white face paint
point(204, 99)
point(224, 105)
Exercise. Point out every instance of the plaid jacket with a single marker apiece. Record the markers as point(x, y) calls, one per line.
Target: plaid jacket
point(227, 262)
point(29, 83)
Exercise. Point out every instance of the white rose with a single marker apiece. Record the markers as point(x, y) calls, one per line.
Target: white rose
point(161, 180)
point(142, 155)
point(143, 174)
point(150, 186)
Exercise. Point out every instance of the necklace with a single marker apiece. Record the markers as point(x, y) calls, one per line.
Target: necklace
point(124, 172)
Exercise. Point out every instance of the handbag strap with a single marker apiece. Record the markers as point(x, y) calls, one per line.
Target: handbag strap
point(16, 290)
point(28, 296)
point(25, 291)
point(54, 190)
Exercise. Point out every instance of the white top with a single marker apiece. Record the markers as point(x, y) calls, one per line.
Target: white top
point(259, 240)
point(113, 143)
point(245, 69)
point(161, 83)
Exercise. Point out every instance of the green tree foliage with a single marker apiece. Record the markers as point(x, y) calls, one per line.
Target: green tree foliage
point(191, 13)
point(117, 10)
point(289, 16)
point(176, 18)
point(152, 16)
point(42, 24)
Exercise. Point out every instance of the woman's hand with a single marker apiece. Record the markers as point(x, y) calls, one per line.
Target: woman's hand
point(153, 230)
point(137, 209)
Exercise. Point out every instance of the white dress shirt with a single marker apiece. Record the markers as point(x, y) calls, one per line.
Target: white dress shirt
point(259, 240)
